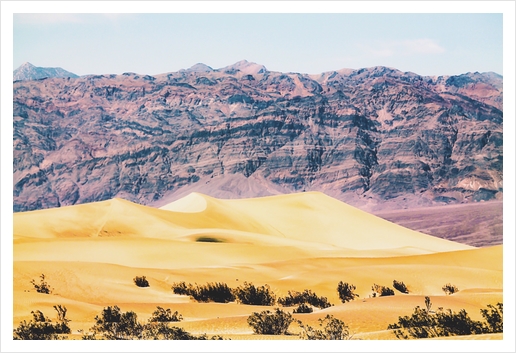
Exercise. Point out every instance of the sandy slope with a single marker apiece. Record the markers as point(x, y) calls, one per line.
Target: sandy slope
point(90, 253)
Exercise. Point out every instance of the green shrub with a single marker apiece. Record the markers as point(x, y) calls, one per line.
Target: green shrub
point(210, 292)
point(381, 291)
point(43, 286)
point(162, 315)
point(450, 289)
point(306, 297)
point(426, 324)
point(303, 309)
point(346, 292)
point(42, 328)
point(400, 286)
point(141, 281)
point(251, 295)
point(270, 323)
point(333, 329)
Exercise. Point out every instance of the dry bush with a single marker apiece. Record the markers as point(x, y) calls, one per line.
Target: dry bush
point(449, 289)
point(251, 295)
point(346, 292)
point(270, 323)
point(141, 281)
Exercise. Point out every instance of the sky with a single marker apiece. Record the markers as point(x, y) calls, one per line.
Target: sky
point(426, 44)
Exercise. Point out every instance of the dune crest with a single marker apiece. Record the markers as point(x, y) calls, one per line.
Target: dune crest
point(191, 203)
point(309, 221)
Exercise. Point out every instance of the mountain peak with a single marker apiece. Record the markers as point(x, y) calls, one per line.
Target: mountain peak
point(245, 67)
point(26, 65)
point(199, 67)
point(27, 72)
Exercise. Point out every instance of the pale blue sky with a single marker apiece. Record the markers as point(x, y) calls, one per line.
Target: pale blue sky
point(427, 44)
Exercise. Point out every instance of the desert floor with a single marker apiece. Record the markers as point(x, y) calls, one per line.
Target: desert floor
point(90, 254)
point(478, 224)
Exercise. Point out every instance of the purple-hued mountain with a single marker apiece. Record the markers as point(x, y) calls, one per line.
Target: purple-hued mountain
point(377, 138)
point(27, 72)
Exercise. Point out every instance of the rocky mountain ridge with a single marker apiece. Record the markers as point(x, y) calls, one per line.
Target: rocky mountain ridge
point(28, 72)
point(375, 137)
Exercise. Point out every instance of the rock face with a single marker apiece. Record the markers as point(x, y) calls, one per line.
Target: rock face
point(375, 137)
point(27, 72)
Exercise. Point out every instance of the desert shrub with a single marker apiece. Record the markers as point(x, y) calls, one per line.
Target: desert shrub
point(141, 281)
point(303, 309)
point(270, 323)
point(113, 324)
point(494, 318)
point(381, 291)
point(332, 329)
point(210, 292)
point(306, 297)
point(42, 328)
point(163, 331)
point(426, 324)
point(216, 292)
point(400, 286)
point(346, 292)
point(43, 286)
point(181, 288)
point(251, 295)
point(450, 289)
point(162, 315)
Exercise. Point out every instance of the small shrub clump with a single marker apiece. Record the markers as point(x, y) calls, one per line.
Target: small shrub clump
point(251, 295)
point(449, 289)
point(113, 324)
point(400, 286)
point(162, 331)
point(332, 329)
point(43, 286)
point(270, 323)
point(141, 281)
point(210, 292)
point(424, 323)
point(303, 309)
point(381, 291)
point(162, 315)
point(346, 292)
point(306, 297)
point(42, 328)
point(494, 318)
point(181, 288)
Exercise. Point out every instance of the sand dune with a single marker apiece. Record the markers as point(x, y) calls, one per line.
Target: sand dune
point(90, 254)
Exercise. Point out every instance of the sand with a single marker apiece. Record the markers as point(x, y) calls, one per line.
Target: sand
point(90, 254)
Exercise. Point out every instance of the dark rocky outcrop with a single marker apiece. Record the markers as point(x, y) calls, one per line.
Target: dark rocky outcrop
point(374, 137)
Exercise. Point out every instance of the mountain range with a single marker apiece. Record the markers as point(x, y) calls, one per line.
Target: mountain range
point(376, 138)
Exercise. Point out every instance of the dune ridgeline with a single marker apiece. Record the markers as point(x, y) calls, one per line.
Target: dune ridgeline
point(90, 255)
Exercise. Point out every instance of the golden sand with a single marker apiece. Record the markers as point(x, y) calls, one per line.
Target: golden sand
point(90, 254)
